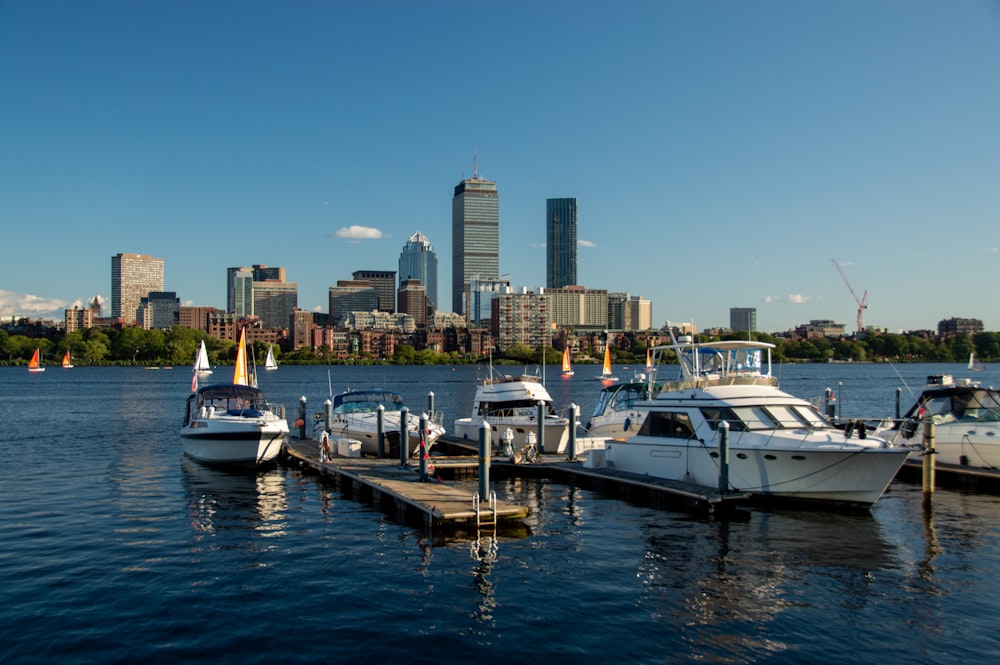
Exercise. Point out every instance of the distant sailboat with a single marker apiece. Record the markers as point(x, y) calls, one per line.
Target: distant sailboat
point(605, 374)
point(201, 365)
point(975, 365)
point(67, 363)
point(649, 362)
point(35, 365)
point(269, 362)
point(567, 370)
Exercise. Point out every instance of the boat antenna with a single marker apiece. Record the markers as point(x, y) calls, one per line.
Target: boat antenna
point(902, 380)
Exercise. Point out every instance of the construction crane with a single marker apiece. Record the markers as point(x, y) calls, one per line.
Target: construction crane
point(862, 303)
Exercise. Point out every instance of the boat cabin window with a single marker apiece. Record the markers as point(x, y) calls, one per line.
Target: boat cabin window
point(602, 402)
point(509, 408)
point(673, 425)
point(788, 416)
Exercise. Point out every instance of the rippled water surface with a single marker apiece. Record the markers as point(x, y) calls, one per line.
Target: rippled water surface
point(114, 549)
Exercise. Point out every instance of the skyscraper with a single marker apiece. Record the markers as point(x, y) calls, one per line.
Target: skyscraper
point(239, 292)
point(418, 261)
point(475, 235)
point(560, 243)
point(384, 282)
point(133, 276)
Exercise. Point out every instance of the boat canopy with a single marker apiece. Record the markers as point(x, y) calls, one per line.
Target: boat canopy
point(365, 401)
point(225, 391)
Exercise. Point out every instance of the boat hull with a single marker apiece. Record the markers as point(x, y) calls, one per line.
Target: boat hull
point(854, 475)
point(973, 445)
point(556, 432)
point(251, 443)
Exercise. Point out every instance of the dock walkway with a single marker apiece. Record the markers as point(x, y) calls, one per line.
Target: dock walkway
point(388, 485)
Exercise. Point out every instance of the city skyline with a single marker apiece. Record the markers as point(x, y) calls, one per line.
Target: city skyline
point(739, 146)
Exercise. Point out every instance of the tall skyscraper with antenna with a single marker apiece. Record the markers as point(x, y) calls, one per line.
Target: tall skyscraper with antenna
point(475, 235)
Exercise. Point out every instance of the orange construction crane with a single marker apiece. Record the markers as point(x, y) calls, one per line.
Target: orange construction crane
point(862, 303)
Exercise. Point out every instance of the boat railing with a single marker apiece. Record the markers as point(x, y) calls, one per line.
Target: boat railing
point(716, 380)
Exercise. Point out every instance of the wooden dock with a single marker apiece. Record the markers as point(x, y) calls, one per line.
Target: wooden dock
point(398, 490)
point(953, 476)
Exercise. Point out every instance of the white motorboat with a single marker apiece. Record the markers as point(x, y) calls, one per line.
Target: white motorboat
point(232, 423)
point(966, 417)
point(354, 415)
point(780, 447)
point(615, 414)
point(509, 402)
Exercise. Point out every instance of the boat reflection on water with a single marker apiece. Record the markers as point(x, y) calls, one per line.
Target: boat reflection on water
point(728, 586)
point(223, 499)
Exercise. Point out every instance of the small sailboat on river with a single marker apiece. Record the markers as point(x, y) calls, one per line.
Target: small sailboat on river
point(66, 362)
point(35, 364)
point(269, 362)
point(606, 374)
point(567, 369)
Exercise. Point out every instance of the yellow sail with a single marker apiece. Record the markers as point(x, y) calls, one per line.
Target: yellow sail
point(240, 374)
point(567, 370)
point(607, 360)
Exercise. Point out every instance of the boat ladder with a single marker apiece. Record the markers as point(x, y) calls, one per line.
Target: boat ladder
point(477, 550)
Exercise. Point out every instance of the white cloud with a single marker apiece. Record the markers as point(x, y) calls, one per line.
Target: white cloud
point(586, 243)
point(794, 298)
point(797, 298)
point(26, 304)
point(358, 233)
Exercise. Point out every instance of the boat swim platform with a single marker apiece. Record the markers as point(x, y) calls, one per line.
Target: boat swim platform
point(387, 485)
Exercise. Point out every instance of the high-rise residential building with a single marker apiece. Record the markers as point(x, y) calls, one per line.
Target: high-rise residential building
point(578, 307)
point(418, 261)
point(384, 282)
point(560, 243)
point(239, 292)
point(274, 301)
point(627, 312)
point(475, 235)
point(133, 276)
point(521, 318)
point(743, 319)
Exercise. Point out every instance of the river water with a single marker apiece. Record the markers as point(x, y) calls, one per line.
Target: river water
point(114, 549)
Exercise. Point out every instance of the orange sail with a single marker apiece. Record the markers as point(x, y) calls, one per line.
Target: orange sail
point(567, 370)
point(240, 375)
point(35, 364)
point(67, 363)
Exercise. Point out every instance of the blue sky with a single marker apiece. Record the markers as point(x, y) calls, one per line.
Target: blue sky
point(722, 153)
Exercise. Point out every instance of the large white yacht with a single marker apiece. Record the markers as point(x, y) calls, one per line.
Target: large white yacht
point(966, 417)
point(779, 445)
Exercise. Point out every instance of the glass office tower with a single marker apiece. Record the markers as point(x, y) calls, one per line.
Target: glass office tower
point(475, 236)
point(560, 243)
point(418, 261)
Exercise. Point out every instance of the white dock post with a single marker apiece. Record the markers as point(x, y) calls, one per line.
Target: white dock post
point(928, 465)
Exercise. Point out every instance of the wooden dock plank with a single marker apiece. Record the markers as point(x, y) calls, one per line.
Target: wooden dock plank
point(442, 503)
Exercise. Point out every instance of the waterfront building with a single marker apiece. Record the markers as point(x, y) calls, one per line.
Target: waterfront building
point(274, 301)
point(350, 296)
point(195, 318)
point(133, 276)
point(475, 236)
point(159, 310)
point(521, 318)
point(560, 243)
point(577, 307)
point(955, 326)
point(743, 319)
point(78, 319)
point(384, 282)
point(300, 328)
point(418, 261)
point(626, 312)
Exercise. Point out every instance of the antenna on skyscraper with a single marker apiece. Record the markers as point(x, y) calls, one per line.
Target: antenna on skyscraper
point(475, 169)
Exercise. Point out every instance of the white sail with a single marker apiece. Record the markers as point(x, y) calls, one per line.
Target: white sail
point(269, 362)
point(201, 360)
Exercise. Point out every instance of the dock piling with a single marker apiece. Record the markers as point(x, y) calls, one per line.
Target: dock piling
point(380, 430)
point(928, 462)
point(723, 457)
point(485, 451)
point(423, 447)
point(404, 436)
point(573, 409)
point(301, 421)
point(541, 427)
